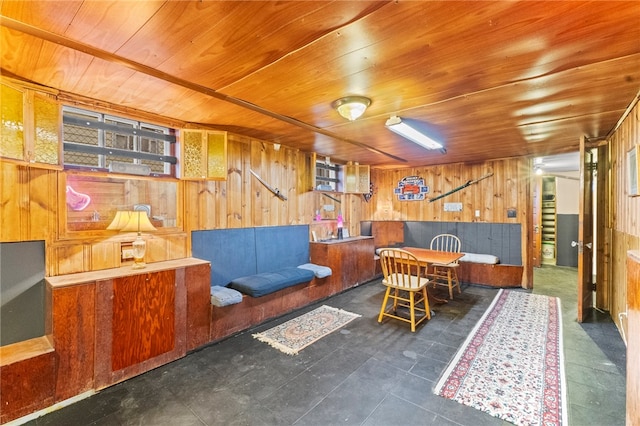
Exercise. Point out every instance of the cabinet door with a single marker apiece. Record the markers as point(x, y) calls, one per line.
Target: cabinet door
point(46, 139)
point(192, 160)
point(12, 131)
point(144, 310)
point(356, 179)
point(216, 152)
point(30, 126)
point(140, 324)
point(204, 154)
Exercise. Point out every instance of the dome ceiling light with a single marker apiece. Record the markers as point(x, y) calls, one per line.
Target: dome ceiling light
point(351, 107)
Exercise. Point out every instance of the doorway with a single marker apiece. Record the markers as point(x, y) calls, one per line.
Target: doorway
point(556, 207)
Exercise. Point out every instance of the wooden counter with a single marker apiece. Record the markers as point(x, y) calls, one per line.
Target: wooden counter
point(351, 260)
point(107, 326)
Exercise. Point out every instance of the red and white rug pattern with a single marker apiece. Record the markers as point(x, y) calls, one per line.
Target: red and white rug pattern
point(511, 365)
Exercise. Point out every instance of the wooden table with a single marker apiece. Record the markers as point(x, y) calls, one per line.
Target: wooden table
point(428, 256)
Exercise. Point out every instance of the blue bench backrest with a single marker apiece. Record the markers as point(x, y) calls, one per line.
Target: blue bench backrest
point(499, 239)
point(240, 252)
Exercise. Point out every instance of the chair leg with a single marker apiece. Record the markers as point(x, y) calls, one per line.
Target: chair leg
point(412, 311)
point(384, 303)
point(426, 303)
point(455, 276)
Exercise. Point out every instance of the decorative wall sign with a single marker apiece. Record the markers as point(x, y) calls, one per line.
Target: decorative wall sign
point(411, 188)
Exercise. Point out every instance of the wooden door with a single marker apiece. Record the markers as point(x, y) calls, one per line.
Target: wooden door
point(585, 232)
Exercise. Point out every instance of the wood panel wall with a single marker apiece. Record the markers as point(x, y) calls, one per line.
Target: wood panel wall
point(507, 189)
point(623, 214)
point(30, 202)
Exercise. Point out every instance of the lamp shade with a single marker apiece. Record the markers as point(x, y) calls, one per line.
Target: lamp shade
point(120, 221)
point(138, 222)
point(351, 107)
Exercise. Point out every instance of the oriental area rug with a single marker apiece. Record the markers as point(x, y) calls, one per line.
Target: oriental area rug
point(300, 332)
point(511, 365)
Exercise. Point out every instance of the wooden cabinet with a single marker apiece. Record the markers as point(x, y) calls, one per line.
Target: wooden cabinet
point(203, 154)
point(352, 178)
point(29, 130)
point(356, 179)
point(351, 261)
point(114, 324)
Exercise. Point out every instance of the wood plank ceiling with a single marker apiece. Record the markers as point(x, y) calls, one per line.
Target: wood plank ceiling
point(490, 79)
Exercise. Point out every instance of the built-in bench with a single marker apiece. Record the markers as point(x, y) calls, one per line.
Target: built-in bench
point(258, 274)
point(495, 250)
point(486, 269)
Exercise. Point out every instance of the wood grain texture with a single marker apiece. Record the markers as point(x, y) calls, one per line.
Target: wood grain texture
point(73, 339)
point(491, 275)
point(27, 386)
point(197, 281)
point(351, 261)
point(387, 233)
point(633, 337)
point(143, 318)
point(418, 60)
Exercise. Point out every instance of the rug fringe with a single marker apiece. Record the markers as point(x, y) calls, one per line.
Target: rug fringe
point(282, 348)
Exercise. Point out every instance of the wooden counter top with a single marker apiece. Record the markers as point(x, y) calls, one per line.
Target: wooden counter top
point(344, 240)
point(106, 274)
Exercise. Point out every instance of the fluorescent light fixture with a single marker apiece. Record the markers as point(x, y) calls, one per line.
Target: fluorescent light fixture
point(396, 125)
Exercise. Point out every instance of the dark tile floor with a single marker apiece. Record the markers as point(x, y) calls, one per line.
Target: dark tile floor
point(365, 373)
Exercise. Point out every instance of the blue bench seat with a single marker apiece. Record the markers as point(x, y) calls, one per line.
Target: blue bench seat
point(257, 285)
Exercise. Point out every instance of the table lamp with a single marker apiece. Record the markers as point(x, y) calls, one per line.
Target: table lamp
point(134, 221)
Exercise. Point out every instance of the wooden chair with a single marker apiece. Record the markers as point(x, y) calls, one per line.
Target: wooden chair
point(446, 274)
point(403, 279)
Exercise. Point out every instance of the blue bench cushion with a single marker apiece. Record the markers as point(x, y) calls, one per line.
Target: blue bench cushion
point(318, 270)
point(267, 282)
point(223, 296)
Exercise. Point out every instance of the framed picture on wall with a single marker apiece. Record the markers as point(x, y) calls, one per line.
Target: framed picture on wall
point(633, 164)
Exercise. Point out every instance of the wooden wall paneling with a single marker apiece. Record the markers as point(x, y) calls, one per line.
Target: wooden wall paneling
point(633, 339)
point(301, 212)
point(103, 335)
point(27, 384)
point(42, 201)
point(192, 204)
point(105, 255)
point(197, 281)
point(248, 196)
point(15, 203)
point(487, 204)
point(177, 246)
point(73, 317)
point(70, 258)
point(235, 186)
point(156, 248)
point(261, 195)
point(623, 213)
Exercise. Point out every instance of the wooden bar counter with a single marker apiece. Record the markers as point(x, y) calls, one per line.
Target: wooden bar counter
point(104, 327)
point(351, 260)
